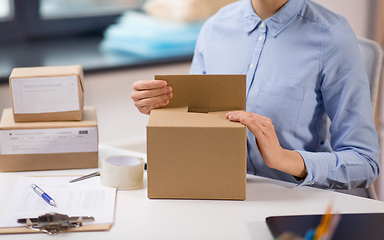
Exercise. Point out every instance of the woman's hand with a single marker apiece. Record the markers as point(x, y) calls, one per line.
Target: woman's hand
point(150, 94)
point(273, 154)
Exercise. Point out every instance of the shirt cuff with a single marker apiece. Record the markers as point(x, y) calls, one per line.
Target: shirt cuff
point(317, 167)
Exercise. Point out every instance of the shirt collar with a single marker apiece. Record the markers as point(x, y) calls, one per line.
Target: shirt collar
point(251, 20)
point(278, 22)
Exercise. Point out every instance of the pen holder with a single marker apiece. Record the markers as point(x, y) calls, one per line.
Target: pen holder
point(122, 172)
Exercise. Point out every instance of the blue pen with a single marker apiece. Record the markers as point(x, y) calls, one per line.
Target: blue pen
point(43, 194)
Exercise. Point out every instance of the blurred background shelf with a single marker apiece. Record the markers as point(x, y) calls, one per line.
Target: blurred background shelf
point(71, 51)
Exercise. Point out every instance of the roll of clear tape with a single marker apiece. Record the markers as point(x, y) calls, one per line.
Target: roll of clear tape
point(122, 172)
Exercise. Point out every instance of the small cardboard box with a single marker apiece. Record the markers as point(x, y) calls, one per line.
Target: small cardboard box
point(44, 94)
point(193, 151)
point(48, 145)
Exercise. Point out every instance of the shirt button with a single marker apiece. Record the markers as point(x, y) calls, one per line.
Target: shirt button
point(260, 38)
point(251, 66)
point(262, 25)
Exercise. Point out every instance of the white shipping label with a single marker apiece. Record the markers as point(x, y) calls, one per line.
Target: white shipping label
point(45, 94)
point(55, 140)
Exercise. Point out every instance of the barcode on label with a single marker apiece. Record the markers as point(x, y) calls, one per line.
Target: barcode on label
point(83, 132)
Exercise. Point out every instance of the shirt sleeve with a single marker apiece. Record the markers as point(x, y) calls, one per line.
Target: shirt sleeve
point(346, 98)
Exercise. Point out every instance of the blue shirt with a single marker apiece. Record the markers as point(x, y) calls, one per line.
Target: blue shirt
point(302, 65)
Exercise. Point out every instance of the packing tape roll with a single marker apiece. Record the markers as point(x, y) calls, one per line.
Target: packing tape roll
point(122, 172)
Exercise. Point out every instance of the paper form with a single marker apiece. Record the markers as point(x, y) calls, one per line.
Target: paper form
point(45, 94)
point(85, 198)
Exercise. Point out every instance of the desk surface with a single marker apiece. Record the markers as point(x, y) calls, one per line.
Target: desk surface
point(137, 217)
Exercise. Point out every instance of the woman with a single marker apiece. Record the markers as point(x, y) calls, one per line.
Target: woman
point(302, 65)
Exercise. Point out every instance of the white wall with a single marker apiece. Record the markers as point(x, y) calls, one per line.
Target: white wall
point(355, 11)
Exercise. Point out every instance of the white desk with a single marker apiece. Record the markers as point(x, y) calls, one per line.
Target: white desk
point(137, 217)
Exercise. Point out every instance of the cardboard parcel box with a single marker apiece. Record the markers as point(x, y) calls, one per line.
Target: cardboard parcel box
point(48, 145)
point(44, 94)
point(193, 151)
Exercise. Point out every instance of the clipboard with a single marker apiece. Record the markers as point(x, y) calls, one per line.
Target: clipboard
point(352, 226)
point(83, 228)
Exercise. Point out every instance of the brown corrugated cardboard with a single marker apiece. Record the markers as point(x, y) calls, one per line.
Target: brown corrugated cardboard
point(192, 154)
point(53, 113)
point(72, 158)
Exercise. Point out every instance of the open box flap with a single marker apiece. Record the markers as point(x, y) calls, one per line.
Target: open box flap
point(205, 93)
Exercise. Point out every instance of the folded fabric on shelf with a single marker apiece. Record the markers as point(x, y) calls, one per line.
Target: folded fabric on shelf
point(146, 36)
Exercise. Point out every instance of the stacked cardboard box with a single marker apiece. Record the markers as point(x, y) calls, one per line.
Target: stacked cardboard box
point(43, 94)
point(193, 151)
point(47, 127)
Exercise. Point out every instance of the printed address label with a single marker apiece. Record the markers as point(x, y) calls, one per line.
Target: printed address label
point(55, 140)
